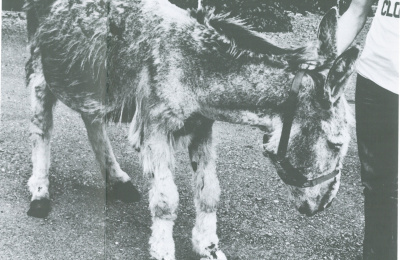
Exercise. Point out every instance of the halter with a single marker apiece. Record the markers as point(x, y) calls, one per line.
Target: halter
point(288, 174)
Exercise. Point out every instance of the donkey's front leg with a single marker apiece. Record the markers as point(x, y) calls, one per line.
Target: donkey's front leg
point(120, 181)
point(41, 127)
point(206, 193)
point(158, 162)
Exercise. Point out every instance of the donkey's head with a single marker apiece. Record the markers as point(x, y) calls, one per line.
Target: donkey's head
point(316, 125)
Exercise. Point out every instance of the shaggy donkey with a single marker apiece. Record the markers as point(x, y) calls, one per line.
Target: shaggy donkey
point(171, 73)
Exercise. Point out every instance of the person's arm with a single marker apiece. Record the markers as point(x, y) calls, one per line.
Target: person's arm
point(351, 23)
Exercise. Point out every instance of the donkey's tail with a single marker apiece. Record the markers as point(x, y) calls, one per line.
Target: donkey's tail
point(36, 10)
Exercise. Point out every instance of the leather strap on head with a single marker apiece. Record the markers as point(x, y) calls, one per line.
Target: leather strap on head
point(292, 176)
point(286, 171)
point(289, 114)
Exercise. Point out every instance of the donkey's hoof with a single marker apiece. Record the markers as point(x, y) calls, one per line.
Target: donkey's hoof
point(126, 192)
point(39, 208)
point(215, 255)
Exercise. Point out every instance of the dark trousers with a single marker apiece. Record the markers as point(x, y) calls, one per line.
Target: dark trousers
point(377, 139)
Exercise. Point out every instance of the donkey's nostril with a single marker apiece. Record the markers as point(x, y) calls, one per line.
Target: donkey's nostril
point(307, 210)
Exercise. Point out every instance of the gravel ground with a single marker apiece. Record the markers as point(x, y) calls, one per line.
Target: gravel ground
point(255, 218)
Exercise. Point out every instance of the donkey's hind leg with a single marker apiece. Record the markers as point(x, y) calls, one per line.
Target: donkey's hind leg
point(122, 187)
point(41, 126)
point(206, 193)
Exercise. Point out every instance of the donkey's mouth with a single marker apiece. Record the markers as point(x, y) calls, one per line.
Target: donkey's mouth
point(311, 206)
point(305, 209)
point(327, 205)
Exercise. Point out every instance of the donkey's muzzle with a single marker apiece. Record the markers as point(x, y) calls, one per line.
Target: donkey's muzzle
point(305, 209)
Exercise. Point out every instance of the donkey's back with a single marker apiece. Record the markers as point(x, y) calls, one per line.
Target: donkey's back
point(94, 53)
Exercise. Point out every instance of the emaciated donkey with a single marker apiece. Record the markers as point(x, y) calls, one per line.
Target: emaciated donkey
point(172, 73)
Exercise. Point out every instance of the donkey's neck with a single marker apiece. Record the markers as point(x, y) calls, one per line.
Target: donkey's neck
point(249, 93)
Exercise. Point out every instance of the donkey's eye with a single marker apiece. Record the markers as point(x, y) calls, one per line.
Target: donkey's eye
point(334, 146)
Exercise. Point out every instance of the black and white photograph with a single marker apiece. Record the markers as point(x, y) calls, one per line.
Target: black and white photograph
point(199, 129)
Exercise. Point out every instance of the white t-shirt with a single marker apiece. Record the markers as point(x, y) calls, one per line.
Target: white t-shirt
point(379, 61)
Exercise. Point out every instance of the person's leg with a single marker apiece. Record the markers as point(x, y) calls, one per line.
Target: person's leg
point(377, 138)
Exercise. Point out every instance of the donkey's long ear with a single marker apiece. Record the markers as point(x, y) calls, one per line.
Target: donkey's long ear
point(338, 75)
point(327, 33)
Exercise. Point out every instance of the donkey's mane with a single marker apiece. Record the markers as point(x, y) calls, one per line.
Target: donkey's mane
point(240, 35)
point(243, 40)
